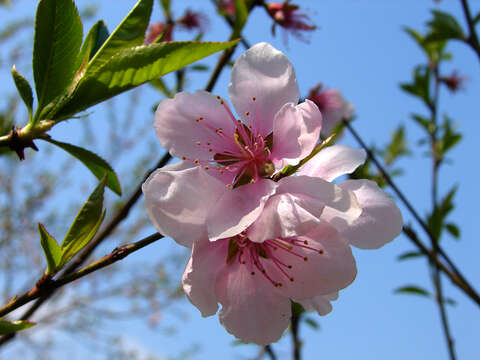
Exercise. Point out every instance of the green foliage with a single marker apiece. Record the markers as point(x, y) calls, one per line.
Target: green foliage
point(444, 26)
point(94, 40)
point(83, 229)
point(52, 251)
point(58, 36)
point(312, 323)
point(434, 50)
point(449, 137)
point(24, 89)
point(85, 225)
point(133, 67)
point(9, 327)
point(166, 7)
point(476, 19)
point(398, 146)
point(93, 162)
point(424, 122)
point(241, 15)
point(420, 85)
point(409, 255)
point(436, 220)
point(412, 289)
point(453, 230)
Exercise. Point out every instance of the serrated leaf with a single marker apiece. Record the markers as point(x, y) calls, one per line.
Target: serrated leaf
point(95, 38)
point(93, 162)
point(52, 251)
point(409, 255)
point(444, 27)
point(9, 327)
point(241, 15)
point(453, 230)
point(58, 36)
point(85, 225)
point(128, 34)
point(24, 89)
point(136, 66)
point(412, 289)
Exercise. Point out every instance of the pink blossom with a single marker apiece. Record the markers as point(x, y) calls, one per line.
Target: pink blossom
point(193, 20)
point(454, 82)
point(258, 243)
point(227, 7)
point(273, 131)
point(290, 19)
point(333, 107)
point(156, 29)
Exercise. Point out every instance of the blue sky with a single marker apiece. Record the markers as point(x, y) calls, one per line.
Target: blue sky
point(361, 49)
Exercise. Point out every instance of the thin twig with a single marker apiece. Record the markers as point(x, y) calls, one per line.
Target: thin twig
point(458, 278)
point(294, 330)
point(472, 38)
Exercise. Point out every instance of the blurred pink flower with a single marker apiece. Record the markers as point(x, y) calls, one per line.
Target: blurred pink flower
point(288, 17)
point(156, 29)
point(454, 82)
point(193, 21)
point(227, 7)
point(332, 106)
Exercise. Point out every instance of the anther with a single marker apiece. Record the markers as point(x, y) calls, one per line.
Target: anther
point(198, 142)
point(184, 158)
point(305, 258)
point(196, 161)
point(218, 97)
point(320, 252)
point(292, 279)
point(247, 113)
point(254, 98)
point(210, 150)
point(206, 167)
point(253, 273)
point(229, 186)
point(305, 242)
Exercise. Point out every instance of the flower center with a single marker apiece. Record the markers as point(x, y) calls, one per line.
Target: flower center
point(279, 252)
point(246, 155)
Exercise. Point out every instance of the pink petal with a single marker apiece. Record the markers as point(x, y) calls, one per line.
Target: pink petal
point(200, 276)
point(381, 220)
point(266, 74)
point(177, 201)
point(236, 209)
point(320, 304)
point(251, 309)
point(281, 217)
point(314, 194)
point(334, 161)
point(329, 267)
point(296, 130)
point(179, 131)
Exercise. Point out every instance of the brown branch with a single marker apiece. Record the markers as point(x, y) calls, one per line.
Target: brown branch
point(46, 286)
point(472, 38)
point(458, 278)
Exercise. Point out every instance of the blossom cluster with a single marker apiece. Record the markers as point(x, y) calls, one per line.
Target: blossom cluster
point(259, 239)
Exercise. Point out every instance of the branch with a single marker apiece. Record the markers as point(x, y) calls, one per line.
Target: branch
point(472, 38)
point(46, 286)
point(457, 277)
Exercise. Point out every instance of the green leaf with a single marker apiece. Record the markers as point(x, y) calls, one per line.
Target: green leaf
point(24, 89)
point(476, 19)
point(412, 289)
point(52, 251)
point(85, 225)
point(136, 66)
point(8, 327)
point(420, 87)
point(93, 162)
point(95, 38)
point(58, 36)
point(449, 301)
point(453, 230)
point(444, 26)
point(297, 309)
point(128, 34)
point(409, 255)
point(165, 6)
point(312, 323)
point(241, 14)
point(424, 122)
point(398, 146)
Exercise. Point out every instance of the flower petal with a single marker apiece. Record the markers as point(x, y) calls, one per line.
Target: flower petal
point(321, 304)
point(281, 217)
point(381, 220)
point(200, 276)
point(177, 201)
point(251, 309)
point(179, 131)
point(237, 209)
point(329, 267)
point(266, 74)
point(296, 130)
point(334, 161)
point(313, 194)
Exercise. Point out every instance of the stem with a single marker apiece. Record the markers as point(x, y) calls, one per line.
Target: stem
point(295, 327)
point(472, 38)
point(436, 162)
point(48, 285)
point(458, 277)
